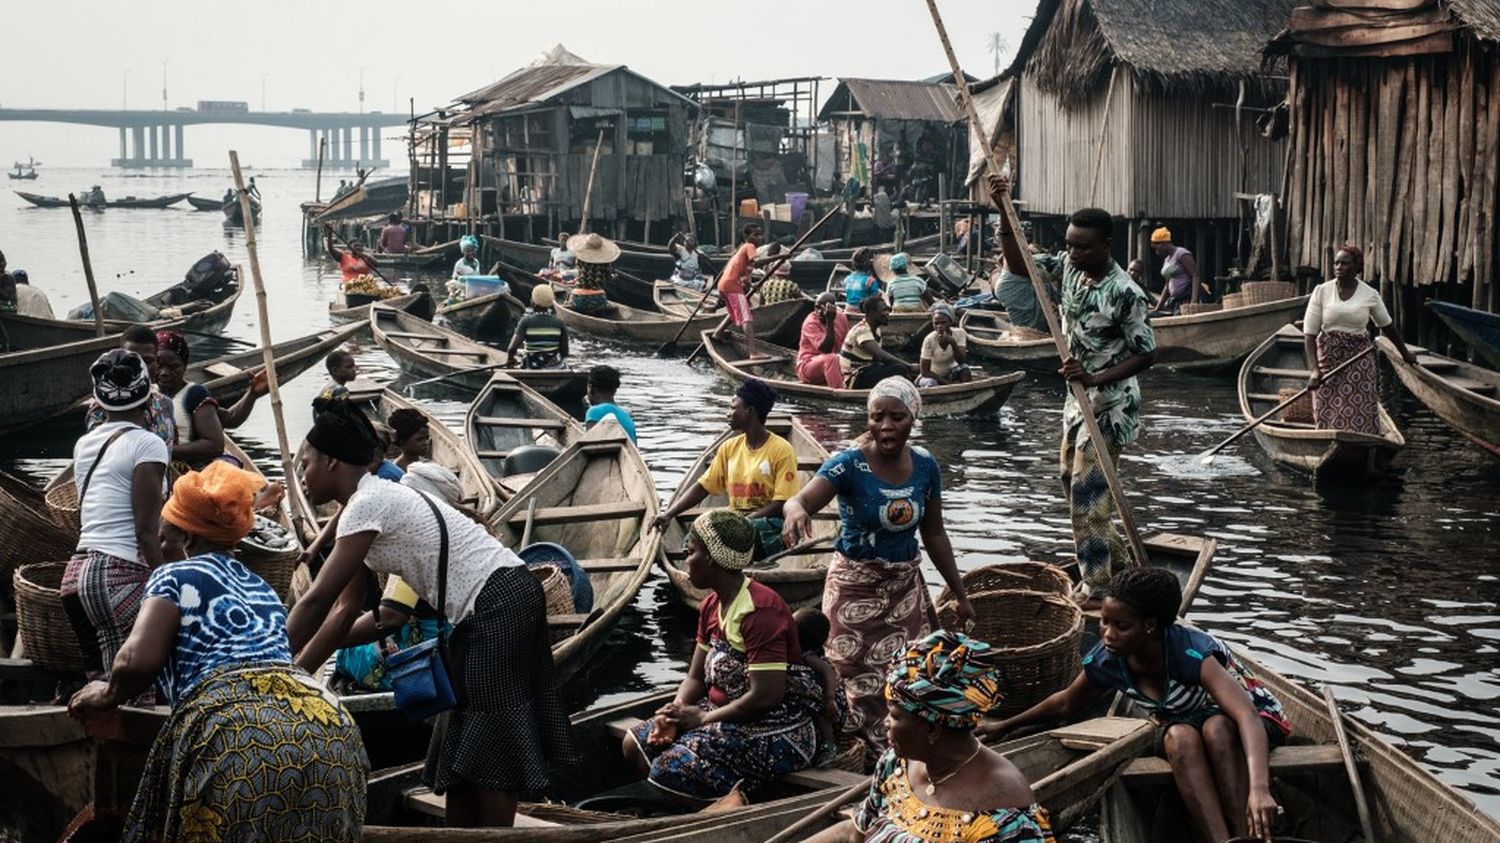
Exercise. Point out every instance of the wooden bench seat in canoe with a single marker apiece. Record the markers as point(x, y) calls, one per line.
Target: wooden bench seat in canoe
point(581, 513)
point(501, 421)
point(1273, 372)
point(1285, 760)
point(760, 361)
point(413, 335)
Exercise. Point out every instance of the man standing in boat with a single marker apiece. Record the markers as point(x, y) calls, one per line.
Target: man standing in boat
point(1105, 319)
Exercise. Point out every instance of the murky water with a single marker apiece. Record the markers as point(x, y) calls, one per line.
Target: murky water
point(1389, 591)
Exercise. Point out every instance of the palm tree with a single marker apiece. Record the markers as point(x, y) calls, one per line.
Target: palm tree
point(998, 48)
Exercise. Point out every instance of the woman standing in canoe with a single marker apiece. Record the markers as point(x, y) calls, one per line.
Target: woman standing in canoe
point(1335, 328)
point(889, 492)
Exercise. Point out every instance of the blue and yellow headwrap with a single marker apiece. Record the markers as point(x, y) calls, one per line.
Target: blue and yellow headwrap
point(947, 679)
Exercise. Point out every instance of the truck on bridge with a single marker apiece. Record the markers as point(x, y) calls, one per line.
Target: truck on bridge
point(223, 106)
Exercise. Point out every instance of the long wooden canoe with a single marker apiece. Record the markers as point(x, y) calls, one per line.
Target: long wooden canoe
point(1462, 394)
point(1479, 330)
point(1281, 363)
point(631, 325)
point(43, 379)
point(596, 500)
point(984, 394)
point(339, 311)
point(491, 318)
point(422, 348)
point(625, 286)
point(676, 300)
point(506, 415)
point(904, 330)
point(799, 578)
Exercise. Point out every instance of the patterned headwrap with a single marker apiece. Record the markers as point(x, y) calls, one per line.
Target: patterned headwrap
point(1161, 235)
point(214, 503)
point(173, 342)
point(946, 309)
point(900, 389)
point(121, 380)
point(728, 536)
point(947, 679)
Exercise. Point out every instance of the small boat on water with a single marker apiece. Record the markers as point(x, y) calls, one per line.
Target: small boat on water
point(127, 202)
point(409, 260)
point(1480, 331)
point(508, 416)
point(1280, 363)
point(340, 310)
point(491, 318)
point(622, 322)
point(983, 394)
point(903, 331)
point(200, 203)
point(797, 578)
point(234, 212)
point(25, 173)
point(1463, 395)
point(596, 500)
point(430, 351)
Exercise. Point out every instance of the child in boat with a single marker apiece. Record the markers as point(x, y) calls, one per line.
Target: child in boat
point(1217, 721)
point(812, 634)
point(341, 370)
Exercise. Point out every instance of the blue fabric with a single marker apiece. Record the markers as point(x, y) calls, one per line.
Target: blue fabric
point(859, 286)
point(878, 520)
point(364, 665)
point(598, 411)
point(389, 471)
point(230, 616)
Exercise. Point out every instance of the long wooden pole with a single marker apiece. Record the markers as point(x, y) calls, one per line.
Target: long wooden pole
point(1109, 98)
point(588, 193)
point(1361, 807)
point(268, 354)
point(1080, 395)
point(318, 185)
point(88, 266)
point(734, 181)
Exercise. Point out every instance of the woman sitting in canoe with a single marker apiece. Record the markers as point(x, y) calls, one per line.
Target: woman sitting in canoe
point(945, 351)
point(1217, 721)
point(907, 292)
point(889, 492)
point(745, 713)
point(540, 338)
point(937, 783)
point(687, 264)
point(255, 747)
point(1334, 329)
point(199, 421)
point(861, 283)
point(596, 257)
point(410, 434)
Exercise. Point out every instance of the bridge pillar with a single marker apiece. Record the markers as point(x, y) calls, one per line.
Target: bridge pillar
point(179, 160)
point(364, 143)
point(348, 143)
point(119, 162)
point(376, 132)
point(152, 158)
point(166, 144)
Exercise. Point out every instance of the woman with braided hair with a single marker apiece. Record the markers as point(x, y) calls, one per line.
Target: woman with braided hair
point(937, 782)
point(1216, 721)
point(744, 714)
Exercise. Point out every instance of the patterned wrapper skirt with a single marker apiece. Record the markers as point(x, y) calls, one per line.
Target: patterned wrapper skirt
point(253, 753)
point(589, 301)
point(874, 607)
point(509, 728)
point(1348, 400)
point(101, 595)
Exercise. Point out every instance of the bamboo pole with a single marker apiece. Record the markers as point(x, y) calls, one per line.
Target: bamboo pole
point(588, 192)
point(318, 185)
point(734, 181)
point(88, 266)
point(1109, 98)
point(268, 354)
point(1008, 209)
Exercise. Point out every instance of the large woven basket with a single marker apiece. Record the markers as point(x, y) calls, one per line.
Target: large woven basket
point(271, 552)
point(556, 587)
point(1299, 411)
point(45, 630)
point(62, 502)
point(27, 531)
point(1261, 292)
point(1233, 300)
point(1013, 576)
point(851, 756)
point(1036, 637)
point(1190, 309)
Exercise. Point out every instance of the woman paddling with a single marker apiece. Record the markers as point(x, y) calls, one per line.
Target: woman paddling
point(255, 749)
point(889, 491)
point(509, 726)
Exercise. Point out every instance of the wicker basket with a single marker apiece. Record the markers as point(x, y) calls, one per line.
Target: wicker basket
point(851, 756)
point(556, 587)
point(1190, 309)
point(62, 502)
point(29, 533)
point(273, 559)
point(1261, 292)
point(1036, 637)
point(1013, 576)
point(46, 633)
point(1299, 411)
point(1233, 300)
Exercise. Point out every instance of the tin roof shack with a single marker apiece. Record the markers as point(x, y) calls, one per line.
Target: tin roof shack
point(536, 131)
point(1394, 145)
point(1144, 93)
point(910, 137)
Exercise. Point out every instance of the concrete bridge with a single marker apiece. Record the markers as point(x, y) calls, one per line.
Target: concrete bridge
point(154, 138)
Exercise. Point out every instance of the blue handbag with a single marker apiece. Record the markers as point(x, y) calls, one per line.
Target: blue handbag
point(419, 674)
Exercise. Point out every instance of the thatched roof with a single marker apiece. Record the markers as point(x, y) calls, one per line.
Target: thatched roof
point(1072, 45)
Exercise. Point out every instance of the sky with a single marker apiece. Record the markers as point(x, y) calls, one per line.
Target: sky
point(311, 55)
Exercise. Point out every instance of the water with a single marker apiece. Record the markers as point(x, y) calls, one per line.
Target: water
point(1388, 591)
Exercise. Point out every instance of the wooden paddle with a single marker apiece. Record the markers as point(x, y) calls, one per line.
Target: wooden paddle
point(770, 271)
point(424, 381)
point(844, 797)
point(1008, 210)
point(1361, 807)
point(1207, 457)
point(88, 266)
point(268, 353)
point(370, 262)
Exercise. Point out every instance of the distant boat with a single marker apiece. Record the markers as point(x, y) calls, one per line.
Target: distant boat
point(23, 173)
point(234, 213)
point(92, 202)
point(201, 204)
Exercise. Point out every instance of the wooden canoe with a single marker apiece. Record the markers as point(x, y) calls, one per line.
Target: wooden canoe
point(1281, 363)
point(506, 415)
point(44, 378)
point(676, 300)
point(596, 500)
point(339, 311)
point(1068, 768)
point(799, 578)
point(984, 394)
point(1462, 394)
point(208, 315)
point(427, 350)
point(1208, 340)
point(1480, 331)
point(491, 318)
point(626, 323)
point(624, 287)
point(905, 330)
point(408, 260)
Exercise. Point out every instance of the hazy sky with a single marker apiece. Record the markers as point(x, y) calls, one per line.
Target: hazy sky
point(69, 53)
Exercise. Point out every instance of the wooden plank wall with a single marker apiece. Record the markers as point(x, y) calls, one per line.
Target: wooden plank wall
point(1400, 157)
point(652, 187)
point(1057, 149)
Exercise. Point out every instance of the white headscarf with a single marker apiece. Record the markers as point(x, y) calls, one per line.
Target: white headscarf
point(900, 389)
point(435, 480)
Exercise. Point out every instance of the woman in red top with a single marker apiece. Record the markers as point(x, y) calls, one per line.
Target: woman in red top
point(744, 714)
point(352, 263)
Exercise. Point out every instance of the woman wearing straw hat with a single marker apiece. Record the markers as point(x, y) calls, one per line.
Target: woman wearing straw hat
point(596, 256)
point(889, 492)
point(745, 713)
point(1179, 269)
point(255, 747)
point(938, 690)
point(540, 337)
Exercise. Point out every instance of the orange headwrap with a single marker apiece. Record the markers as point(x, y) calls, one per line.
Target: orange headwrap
point(214, 503)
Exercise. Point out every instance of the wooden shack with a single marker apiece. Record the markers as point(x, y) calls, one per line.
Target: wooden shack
point(910, 136)
point(536, 131)
point(1146, 108)
point(1394, 145)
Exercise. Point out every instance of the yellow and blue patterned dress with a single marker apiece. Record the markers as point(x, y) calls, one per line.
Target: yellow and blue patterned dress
point(892, 813)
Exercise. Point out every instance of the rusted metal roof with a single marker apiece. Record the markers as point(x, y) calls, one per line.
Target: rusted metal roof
point(534, 84)
point(890, 99)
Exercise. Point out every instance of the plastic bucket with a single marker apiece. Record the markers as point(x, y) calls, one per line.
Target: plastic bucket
point(481, 285)
point(749, 207)
point(798, 201)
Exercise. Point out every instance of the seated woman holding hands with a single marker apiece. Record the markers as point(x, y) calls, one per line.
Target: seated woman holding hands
point(745, 713)
point(1217, 722)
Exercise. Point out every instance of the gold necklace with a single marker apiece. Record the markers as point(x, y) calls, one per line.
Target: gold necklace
point(932, 783)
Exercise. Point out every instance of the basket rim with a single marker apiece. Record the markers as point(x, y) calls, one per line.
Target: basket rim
point(1068, 637)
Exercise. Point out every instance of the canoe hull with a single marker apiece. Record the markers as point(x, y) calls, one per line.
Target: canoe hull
point(1474, 414)
point(1480, 331)
point(494, 426)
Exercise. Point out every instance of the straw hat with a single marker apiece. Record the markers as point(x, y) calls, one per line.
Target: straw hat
point(592, 248)
point(883, 269)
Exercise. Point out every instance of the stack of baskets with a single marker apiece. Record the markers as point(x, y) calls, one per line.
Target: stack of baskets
point(46, 633)
point(1261, 292)
point(29, 533)
point(1023, 611)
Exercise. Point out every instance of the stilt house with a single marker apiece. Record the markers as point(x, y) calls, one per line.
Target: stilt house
point(908, 135)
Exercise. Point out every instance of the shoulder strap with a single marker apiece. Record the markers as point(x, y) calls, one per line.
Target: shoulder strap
point(442, 604)
point(98, 458)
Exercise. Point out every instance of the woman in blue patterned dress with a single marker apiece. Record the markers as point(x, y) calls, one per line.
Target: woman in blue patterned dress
point(255, 749)
point(1217, 721)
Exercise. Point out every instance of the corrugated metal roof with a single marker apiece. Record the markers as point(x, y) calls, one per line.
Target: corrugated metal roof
point(891, 99)
point(534, 84)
